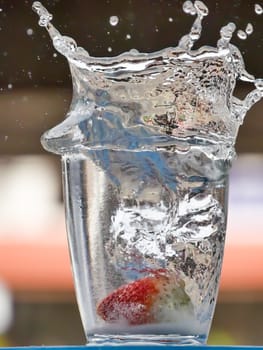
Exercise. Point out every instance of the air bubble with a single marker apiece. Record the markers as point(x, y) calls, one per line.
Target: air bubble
point(258, 9)
point(114, 20)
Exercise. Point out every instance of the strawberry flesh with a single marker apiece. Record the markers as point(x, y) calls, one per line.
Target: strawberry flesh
point(155, 298)
point(132, 302)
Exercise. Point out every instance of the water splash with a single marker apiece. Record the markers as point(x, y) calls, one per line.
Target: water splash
point(181, 91)
point(198, 8)
point(226, 34)
point(44, 16)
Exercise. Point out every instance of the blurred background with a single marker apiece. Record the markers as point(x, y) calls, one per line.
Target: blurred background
point(37, 301)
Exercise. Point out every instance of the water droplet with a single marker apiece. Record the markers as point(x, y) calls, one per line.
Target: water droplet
point(201, 8)
point(170, 19)
point(114, 20)
point(189, 8)
point(29, 31)
point(29, 75)
point(1, 10)
point(109, 49)
point(128, 36)
point(38, 58)
point(6, 137)
point(10, 86)
point(55, 54)
point(134, 51)
point(249, 29)
point(258, 9)
point(241, 34)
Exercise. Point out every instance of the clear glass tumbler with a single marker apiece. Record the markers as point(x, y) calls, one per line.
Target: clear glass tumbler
point(146, 234)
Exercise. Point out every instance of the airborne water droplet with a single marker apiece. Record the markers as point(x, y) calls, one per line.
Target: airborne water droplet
point(189, 8)
point(128, 36)
point(109, 49)
point(249, 29)
point(241, 34)
point(258, 9)
point(201, 8)
point(29, 31)
point(114, 20)
point(170, 19)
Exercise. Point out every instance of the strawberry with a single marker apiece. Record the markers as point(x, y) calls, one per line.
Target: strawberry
point(144, 300)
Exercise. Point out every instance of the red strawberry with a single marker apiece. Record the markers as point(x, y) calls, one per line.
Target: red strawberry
point(143, 300)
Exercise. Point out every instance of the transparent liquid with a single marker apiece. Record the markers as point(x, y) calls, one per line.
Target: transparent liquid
point(153, 210)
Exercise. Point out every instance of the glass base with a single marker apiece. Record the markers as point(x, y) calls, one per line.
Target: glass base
point(149, 339)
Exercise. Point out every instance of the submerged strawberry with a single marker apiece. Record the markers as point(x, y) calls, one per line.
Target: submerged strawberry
point(145, 300)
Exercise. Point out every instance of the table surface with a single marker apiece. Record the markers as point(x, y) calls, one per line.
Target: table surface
point(136, 347)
